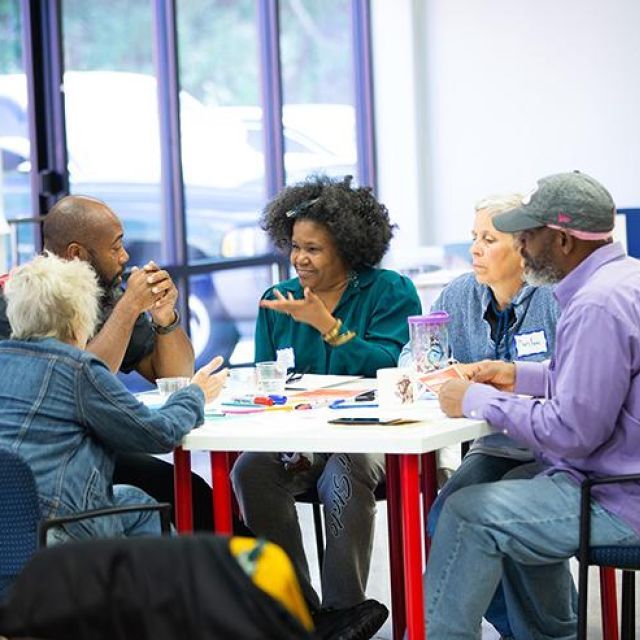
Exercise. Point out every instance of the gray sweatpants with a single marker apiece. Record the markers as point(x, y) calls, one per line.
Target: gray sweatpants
point(345, 484)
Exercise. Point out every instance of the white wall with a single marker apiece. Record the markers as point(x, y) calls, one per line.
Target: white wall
point(510, 91)
point(397, 79)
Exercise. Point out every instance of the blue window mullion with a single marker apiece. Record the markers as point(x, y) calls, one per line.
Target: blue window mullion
point(174, 244)
point(362, 56)
point(271, 81)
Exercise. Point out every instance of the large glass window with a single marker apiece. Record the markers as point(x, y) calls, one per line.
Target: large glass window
point(16, 239)
point(119, 132)
point(223, 169)
point(223, 306)
point(111, 109)
point(318, 88)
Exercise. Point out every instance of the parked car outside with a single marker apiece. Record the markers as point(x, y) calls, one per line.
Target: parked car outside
point(114, 154)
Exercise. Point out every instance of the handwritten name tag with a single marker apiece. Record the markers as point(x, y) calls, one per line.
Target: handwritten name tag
point(530, 344)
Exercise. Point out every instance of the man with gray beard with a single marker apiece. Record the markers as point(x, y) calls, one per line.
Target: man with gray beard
point(582, 422)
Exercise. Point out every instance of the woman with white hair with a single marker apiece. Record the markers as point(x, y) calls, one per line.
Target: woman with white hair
point(494, 315)
point(66, 414)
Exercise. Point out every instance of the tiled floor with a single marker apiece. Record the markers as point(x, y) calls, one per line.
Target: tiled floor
point(379, 576)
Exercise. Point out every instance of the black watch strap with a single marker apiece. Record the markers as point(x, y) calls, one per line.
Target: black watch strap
point(163, 331)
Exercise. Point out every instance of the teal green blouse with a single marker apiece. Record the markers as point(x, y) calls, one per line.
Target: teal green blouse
point(375, 305)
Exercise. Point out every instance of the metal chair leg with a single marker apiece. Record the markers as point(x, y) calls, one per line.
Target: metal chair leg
point(628, 605)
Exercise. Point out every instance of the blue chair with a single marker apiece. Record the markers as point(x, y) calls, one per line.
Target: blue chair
point(19, 517)
point(22, 529)
point(625, 558)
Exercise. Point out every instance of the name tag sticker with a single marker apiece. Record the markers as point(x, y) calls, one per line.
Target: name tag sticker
point(286, 358)
point(531, 344)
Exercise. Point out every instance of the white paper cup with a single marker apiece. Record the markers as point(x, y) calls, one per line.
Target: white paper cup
point(397, 387)
point(167, 386)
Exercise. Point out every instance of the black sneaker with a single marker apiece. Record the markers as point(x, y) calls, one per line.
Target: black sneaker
point(356, 623)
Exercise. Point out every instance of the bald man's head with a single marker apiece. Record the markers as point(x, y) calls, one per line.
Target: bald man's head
point(77, 219)
point(84, 227)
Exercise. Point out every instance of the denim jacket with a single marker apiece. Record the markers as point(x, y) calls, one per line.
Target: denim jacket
point(66, 414)
point(531, 338)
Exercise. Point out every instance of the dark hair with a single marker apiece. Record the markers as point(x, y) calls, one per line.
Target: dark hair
point(358, 224)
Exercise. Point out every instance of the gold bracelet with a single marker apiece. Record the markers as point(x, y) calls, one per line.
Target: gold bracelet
point(333, 332)
point(343, 338)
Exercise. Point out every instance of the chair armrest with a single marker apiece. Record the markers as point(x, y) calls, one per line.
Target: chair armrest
point(590, 482)
point(164, 509)
point(585, 508)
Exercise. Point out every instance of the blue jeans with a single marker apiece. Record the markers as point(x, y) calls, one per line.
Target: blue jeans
point(478, 468)
point(523, 532)
point(135, 523)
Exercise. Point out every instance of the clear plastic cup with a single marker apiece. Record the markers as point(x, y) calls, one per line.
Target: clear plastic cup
point(167, 386)
point(241, 381)
point(270, 378)
point(429, 341)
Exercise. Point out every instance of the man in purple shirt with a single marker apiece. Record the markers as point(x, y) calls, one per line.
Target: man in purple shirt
point(584, 421)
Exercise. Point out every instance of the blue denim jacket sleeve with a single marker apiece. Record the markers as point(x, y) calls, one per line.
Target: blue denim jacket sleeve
point(123, 423)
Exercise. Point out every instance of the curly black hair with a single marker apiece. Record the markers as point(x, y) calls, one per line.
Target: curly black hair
point(357, 222)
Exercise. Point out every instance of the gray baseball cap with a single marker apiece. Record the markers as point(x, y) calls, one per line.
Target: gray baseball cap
point(572, 201)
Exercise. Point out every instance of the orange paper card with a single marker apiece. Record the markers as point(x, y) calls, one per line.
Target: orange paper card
point(435, 379)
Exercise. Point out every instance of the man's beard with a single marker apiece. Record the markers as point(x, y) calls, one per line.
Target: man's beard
point(110, 290)
point(541, 271)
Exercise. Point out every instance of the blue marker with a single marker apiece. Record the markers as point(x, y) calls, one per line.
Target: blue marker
point(342, 404)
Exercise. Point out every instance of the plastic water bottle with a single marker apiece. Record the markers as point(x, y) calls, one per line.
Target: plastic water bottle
point(429, 341)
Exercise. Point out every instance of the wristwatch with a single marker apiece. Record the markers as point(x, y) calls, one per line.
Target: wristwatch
point(164, 330)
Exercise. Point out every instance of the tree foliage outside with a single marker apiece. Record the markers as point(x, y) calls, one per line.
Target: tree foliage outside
point(316, 49)
point(218, 45)
point(10, 37)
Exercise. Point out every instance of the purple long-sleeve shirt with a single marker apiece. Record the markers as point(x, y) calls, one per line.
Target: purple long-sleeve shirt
point(589, 423)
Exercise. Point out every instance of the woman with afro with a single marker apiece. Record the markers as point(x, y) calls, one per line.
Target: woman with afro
point(341, 314)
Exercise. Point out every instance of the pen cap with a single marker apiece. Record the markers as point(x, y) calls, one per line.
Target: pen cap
point(429, 340)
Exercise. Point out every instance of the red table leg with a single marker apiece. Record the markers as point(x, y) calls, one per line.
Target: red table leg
point(221, 492)
point(182, 490)
point(394, 527)
point(429, 484)
point(609, 603)
point(412, 545)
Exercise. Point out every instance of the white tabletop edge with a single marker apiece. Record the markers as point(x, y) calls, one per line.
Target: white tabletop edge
point(320, 436)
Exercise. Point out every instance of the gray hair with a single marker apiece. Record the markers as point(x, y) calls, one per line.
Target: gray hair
point(52, 298)
point(499, 203)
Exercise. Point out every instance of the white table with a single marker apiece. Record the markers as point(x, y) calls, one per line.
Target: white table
point(309, 431)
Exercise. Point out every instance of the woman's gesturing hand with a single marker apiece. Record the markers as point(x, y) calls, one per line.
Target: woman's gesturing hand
point(211, 385)
point(310, 310)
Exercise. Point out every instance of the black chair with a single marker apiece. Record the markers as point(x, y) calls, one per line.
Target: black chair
point(625, 558)
point(22, 529)
point(154, 588)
